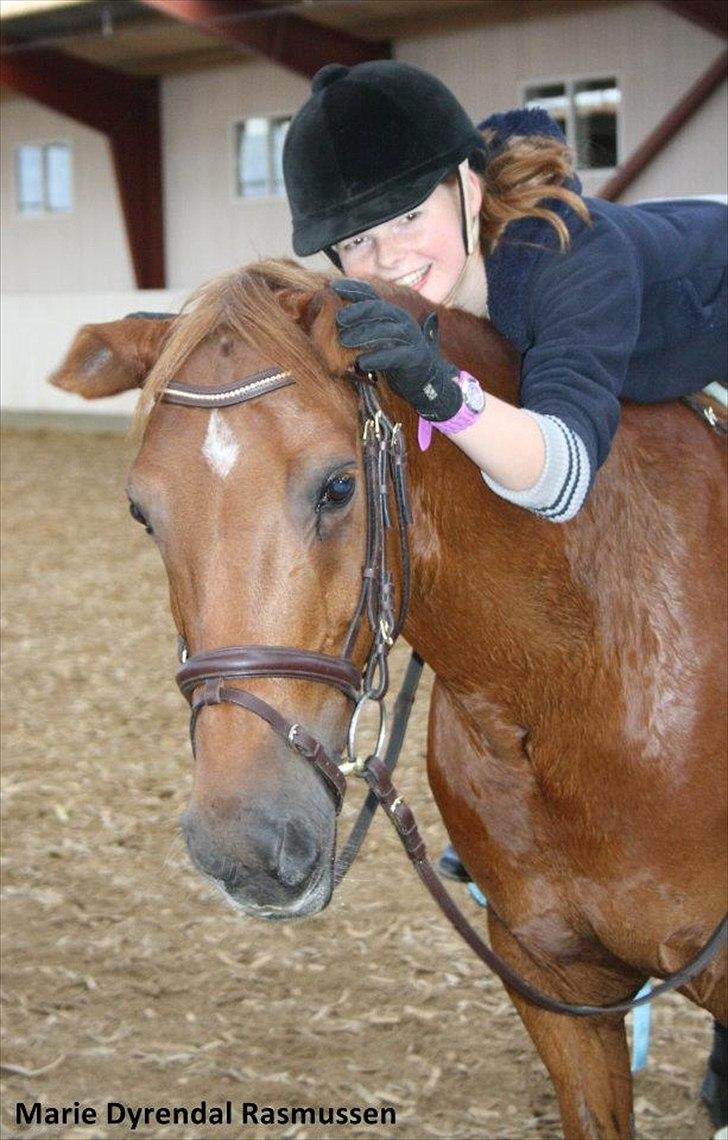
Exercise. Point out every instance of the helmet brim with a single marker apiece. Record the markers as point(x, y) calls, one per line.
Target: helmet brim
point(345, 219)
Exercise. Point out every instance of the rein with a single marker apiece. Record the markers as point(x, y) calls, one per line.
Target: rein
point(201, 680)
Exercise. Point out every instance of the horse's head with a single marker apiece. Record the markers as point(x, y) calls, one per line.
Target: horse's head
point(258, 512)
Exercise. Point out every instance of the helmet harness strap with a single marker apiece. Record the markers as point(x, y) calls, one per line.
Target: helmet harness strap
point(470, 291)
point(463, 172)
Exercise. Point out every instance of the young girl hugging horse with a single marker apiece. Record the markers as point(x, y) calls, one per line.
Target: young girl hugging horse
point(387, 175)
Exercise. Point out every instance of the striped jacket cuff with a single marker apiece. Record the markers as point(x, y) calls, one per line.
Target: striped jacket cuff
point(562, 486)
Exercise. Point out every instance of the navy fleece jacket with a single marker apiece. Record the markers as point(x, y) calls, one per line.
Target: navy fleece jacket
point(636, 307)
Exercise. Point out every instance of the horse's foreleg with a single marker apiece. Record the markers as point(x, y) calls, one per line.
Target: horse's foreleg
point(490, 820)
point(587, 1058)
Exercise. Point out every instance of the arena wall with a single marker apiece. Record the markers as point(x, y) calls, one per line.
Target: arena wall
point(37, 331)
point(82, 251)
point(656, 56)
point(59, 272)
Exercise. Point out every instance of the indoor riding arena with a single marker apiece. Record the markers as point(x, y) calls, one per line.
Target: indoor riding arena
point(136, 1001)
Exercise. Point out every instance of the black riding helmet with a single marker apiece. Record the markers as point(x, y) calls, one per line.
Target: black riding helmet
point(372, 142)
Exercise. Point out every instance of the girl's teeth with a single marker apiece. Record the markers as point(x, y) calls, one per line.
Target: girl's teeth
point(413, 278)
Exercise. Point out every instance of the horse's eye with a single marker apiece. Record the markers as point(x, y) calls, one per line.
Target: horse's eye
point(337, 490)
point(137, 515)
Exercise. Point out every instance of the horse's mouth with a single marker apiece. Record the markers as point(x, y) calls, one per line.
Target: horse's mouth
point(315, 899)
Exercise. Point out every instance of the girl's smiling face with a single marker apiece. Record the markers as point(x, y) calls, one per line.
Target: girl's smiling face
point(422, 249)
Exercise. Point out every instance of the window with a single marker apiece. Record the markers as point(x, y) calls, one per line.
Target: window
point(43, 178)
point(586, 110)
point(259, 155)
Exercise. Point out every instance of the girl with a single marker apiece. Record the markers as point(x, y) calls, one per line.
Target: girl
point(388, 176)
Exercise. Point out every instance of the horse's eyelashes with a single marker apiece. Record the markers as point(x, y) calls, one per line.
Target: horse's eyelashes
point(139, 517)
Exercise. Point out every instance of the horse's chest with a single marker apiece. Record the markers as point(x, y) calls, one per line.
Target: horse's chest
point(480, 771)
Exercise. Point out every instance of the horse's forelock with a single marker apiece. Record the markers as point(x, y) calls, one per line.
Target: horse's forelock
point(252, 304)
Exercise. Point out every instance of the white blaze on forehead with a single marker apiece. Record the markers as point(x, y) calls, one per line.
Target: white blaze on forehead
point(220, 449)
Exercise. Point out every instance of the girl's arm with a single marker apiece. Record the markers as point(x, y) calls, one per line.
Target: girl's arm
point(506, 443)
point(532, 460)
point(584, 315)
point(535, 461)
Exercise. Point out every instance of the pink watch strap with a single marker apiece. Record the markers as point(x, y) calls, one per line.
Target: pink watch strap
point(462, 419)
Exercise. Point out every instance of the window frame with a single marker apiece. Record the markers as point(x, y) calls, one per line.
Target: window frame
point(235, 132)
point(45, 213)
point(569, 81)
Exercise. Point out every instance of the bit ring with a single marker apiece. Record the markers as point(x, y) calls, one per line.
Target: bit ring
point(354, 724)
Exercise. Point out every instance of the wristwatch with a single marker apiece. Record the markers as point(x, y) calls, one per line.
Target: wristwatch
point(469, 411)
point(473, 394)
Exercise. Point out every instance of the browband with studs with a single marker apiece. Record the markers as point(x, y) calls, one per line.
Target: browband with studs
point(259, 384)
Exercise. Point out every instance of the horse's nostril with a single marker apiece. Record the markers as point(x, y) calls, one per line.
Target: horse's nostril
point(209, 855)
point(297, 855)
point(277, 855)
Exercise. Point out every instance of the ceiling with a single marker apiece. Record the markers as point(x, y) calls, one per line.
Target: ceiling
point(127, 35)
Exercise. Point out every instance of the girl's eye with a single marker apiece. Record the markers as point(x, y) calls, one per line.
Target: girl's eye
point(404, 221)
point(137, 515)
point(353, 244)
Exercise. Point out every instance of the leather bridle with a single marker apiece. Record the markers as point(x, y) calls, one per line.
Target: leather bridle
point(202, 677)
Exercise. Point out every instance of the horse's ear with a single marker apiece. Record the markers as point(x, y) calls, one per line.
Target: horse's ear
point(316, 314)
point(113, 357)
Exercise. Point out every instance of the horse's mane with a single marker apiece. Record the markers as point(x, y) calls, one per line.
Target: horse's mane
point(246, 303)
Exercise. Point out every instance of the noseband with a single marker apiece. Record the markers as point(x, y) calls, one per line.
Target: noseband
point(201, 678)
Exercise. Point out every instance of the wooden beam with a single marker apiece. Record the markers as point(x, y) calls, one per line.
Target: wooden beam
point(709, 14)
point(665, 130)
point(136, 147)
point(125, 109)
point(90, 94)
point(296, 43)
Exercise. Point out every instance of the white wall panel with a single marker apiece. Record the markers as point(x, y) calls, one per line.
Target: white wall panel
point(36, 332)
point(695, 162)
point(656, 55)
point(209, 230)
point(85, 250)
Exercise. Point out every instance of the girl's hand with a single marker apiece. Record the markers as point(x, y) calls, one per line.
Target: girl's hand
point(396, 345)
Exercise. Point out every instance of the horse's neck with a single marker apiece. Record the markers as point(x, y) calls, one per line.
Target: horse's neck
point(540, 617)
point(492, 585)
point(495, 606)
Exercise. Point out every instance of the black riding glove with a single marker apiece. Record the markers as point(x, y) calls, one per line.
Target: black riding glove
point(396, 345)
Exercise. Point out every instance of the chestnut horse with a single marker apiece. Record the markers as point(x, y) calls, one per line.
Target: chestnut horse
point(576, 741)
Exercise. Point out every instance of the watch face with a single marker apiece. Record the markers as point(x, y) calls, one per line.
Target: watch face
point(473, 396)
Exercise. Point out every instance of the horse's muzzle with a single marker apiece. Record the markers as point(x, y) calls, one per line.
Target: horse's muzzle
point(271, 864)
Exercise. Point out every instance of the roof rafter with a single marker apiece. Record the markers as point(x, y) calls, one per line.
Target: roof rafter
point(282, 37)
point(709, 14)
point(666, 129)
